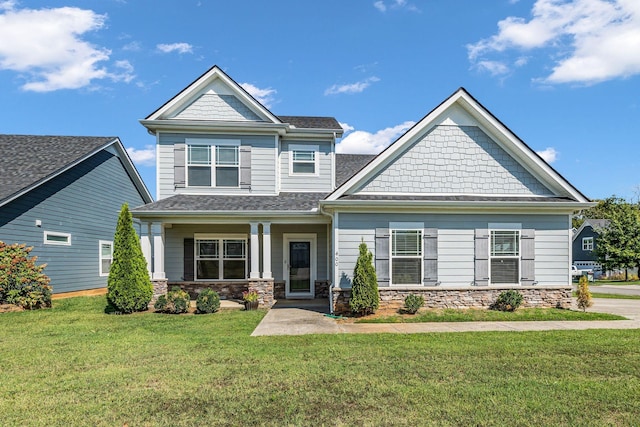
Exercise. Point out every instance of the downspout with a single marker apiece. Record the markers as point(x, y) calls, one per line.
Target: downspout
point(333, 266)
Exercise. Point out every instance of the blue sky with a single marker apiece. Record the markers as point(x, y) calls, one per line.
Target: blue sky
point(564, 75)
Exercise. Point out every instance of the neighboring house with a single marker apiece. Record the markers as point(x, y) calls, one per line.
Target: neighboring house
point(62, 195)
point(458, 208)
point(585, 241)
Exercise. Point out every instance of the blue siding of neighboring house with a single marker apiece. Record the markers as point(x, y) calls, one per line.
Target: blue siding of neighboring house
point(578, 253)
point(84, 202)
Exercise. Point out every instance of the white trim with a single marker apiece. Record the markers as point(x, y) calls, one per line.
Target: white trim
point(100, 259)
point(589, 240)
point(315, 149)
point(494, 129)
point(405, 227)
point(505, 226)
point(56, 234)
point(405, 193)
point(518, 257)
point(213, 144)
point(220, 238)
point(312, 238)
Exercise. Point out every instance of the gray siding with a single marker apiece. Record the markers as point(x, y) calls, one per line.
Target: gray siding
point(174, 241)
point(263, 164)
point(456, 243)
point(211, 106)
point(320, 183)
point(456, 159)
point(578, 253)
point(84, 202)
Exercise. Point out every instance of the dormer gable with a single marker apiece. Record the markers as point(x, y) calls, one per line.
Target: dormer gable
point(213, 97)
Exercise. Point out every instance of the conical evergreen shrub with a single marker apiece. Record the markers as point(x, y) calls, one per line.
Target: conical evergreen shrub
point(129, 286)
point(364, 287)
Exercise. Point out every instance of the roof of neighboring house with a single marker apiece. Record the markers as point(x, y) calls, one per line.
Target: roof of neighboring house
point(26, 161)
point(183, 203)
point(348, 165)
point(596, 224)
point(310, 122)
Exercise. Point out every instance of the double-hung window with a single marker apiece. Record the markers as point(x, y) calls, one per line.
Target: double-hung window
point(221, 257)
point(213, 164)
point(105, 256)
point(406, 257)
point(587, 244)
point(304, 159)
point(505, 256)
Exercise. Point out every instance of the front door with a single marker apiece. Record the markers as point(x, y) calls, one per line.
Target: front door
point(299, 265)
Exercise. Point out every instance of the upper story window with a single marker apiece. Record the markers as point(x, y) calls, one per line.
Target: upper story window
point(303, 159)
point(587, 244)
point(213, 163)
point(505, 256)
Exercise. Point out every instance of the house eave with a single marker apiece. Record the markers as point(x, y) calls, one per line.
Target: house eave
point(218, 126)
point(188, 217)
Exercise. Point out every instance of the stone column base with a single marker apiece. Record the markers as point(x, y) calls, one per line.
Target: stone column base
point(264, 288)
point(159, 288)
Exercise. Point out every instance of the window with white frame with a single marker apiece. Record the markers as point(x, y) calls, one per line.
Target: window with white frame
point(56, 238)
point(505, 256)
point(221, 257)
point(587, 244)
point(105, 256)
point(213, 164)
point(304, 159)
point(406, 257)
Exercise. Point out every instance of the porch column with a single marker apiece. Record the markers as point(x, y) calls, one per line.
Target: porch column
point(266, 250)
point(158, 251)
point(145, 244)
point(255, 252)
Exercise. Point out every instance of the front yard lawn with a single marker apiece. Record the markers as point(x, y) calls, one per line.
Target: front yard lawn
point(483, 315)
point(75, 365)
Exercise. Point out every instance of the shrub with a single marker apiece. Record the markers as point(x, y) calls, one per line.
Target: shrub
point(584, 296)
point(22, 282)
point(508, 301)
point(364, 288)
point(129, 287)
point(175, 302)
point(208, 301)
point(412, 303)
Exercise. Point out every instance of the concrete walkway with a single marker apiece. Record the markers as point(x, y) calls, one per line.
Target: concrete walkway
point(308, 317)
point(616, 289)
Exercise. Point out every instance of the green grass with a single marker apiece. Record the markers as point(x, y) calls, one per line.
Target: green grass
point(479, 315)
point(611, 296)
point(614, 282)
point(75, 365)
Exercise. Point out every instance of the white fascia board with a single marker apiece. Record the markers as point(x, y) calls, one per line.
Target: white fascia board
point(232, 217)
point(205, 126)
point(214, 73)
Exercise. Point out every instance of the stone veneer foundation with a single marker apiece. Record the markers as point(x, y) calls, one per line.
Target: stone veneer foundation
point(477, 297)
point(231, 290)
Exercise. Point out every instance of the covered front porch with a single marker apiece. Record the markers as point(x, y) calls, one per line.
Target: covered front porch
point(277, 259)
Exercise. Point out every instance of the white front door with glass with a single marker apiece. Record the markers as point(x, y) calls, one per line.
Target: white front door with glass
point(299, 265)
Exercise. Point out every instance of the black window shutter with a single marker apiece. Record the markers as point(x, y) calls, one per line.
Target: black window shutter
point(188, 259)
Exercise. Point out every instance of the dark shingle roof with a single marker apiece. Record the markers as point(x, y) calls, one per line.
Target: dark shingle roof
point(309, 122)
point(598, 223)
point(26, 160)
point(207, 203)
point(348, 165)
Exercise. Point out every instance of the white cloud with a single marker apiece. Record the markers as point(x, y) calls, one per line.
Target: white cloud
point(133, 46)
point(144, 157)
point(363, 142)
point(347, 127)
point(351, 87)
point(395, 4)
point(175, 47)
point(380, 6)
point(264, 96)
point(495, 68)
point(589, 40)
point(46, 47)
point(549, 154)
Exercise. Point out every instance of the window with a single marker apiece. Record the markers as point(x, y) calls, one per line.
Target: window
point(304, 159)
point(587, 244)
point(105, 257)
point(406, 257)
point(221, 258)
point(55, 238)
point(505, 256)
point(213, 164)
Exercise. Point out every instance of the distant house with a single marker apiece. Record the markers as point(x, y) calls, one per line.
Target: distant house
point(457, 209)
point(62, 195)
point(585, 243)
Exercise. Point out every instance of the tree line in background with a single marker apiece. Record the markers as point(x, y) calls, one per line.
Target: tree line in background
point(618, 244)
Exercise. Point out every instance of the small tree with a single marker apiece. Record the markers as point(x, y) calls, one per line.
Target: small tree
point(129, 287)
point(584, 296)
point(364, 288)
